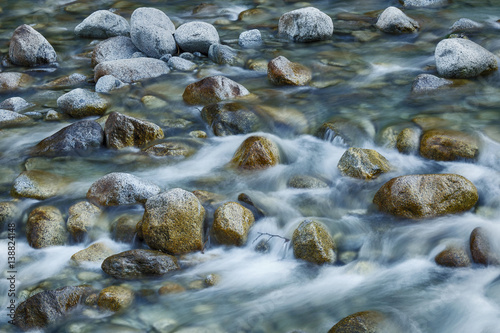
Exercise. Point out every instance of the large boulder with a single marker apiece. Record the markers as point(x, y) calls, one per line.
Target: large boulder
point(118, 188)
point(82, 217)
point(449, 145)
point(80, 138)
point(462, 58)
point(48, 307)
point(232, 223)
point(152, 32)
point(13, 119)
point(453, 256)
point(312, 242)
point(481, 249)
point(80, 103)
point(213, 89)
point(281, 71)
point(131, 70)
point(139, 263)
point(173, 222)
point(363, 163)
point(46, 227)
point(255, 153)
point(29, 48)
point(123, 131)
point(230, 119)
point(114, 48)
point(360, 322)
point(394, 21)
point(115, 298)
point(426, 83)
point(14, 80)
point(196, 36)
point(103, 24)
point(425, 196)
point(38, 184)
point(95, 253)
point(305, 25)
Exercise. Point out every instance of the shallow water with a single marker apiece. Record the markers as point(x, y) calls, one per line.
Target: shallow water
point(391, 266)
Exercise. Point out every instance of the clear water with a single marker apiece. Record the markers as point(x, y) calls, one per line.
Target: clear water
point(366, 82)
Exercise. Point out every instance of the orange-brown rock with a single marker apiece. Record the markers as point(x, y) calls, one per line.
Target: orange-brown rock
point(255, 153)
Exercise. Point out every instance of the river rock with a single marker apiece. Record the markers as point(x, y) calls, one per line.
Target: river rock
point(312, 242)
point(38, 184)
point(344, 132)
point(152, 32)
point(123, 131)
point(114, 48)
point(66, 81)
point(48, 307)
point(173, 222)
point(103, 24)
point(224, 55)
point(394, 21)
point(213, 89)
point(408, 141)
point(29, 48)
point(284, 118)
point(13, 119)
point(230, 119)
point(80, 138)
point(131, 70)
point(15, 104)
point(305, 181)
point(108, 83)
point(360, 322)
point(480, 248)
point(96, 252)
point(425, 83)
point(305, 25)
point(426, 196)
point(256, 153)
point(466, 25)
point(423, 3)
point(453, 256)
point(180, 147)
point(181, 64)
point(80, 103)
point(171, 288)
point(448, 145)
point(82, 218)
point(124, 228)
point(196, 36)
point(250, 39)
point(281, 71)
point(8, 212)
point(14, 80)
point(139, 263)
point(363, 163)
point(115, 298)
point(46, 227)
point(232, 223)
point(462, 58)
point(118, 188)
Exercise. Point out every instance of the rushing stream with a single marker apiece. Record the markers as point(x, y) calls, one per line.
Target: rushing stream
point(386, 264)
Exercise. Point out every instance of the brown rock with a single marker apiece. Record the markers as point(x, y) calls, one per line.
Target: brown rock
point(363, 163)
point(232, 223)
point(281, 71)
point(124, 228)
point(360, 322)
point(312, 242)
point(96, 252)
point(448, 145)
point(424, 196)
point(124, 131)
point(14, 80)
point(37, 184)
point(408, 141)
point(82, 217)
point(115, 298)
point(453, 256)
point(213, 89)
point(45, 227)
point(480, 248)
point(171, 288)
point(256, 152)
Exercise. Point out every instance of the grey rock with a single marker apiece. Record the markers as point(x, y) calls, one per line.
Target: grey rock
point(187, 56)
point(80, 138)
point(453, 256)
point(196, 36)
point(13, 119)
point(96, 252)
point(462, 58)
point(29, 48)
point(232, 223)
point(152, 32)
point(304, 181)
point(46, 227)
point(103, 24)
point(250, 39)
point(108, 83)
point(305, 25)
point(131, 70)
point(81, 219)
point(230, 119)
point(394, 21)
point(281, 71)
point(480, 248)
point(465, 24)
point(14, 80)
point(114, 48)
point(425, 83)
point(8, 212)
point(181, 64)
point(123, 131)
point(15, 104)
point(80, 103)
point(136, 264)
point(37, 184)
point(118, 188)
point(312, 242)
point(363, 163)
point(424, 3)
point(224, 55)
point(408, 141)
point(213, 89)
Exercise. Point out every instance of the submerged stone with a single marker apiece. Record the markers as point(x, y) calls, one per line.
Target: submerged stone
point(481, 248)
point(453, 256)
point(82, 218)
point(281, 71)
point(80, 103)
point(115, 298)
point(230, 118)
point(360, 322)
point(363, 163)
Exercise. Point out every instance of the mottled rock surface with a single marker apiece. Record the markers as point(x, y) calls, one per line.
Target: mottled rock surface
point(425, 83)
point(449, 145)
point(304, 181)
point(305, 25)
point(281, 71)
point(453, 256)
point(114, 48)
point(196, 36)
point(481, 248)
point(131, 70)
point(13, 119)
point(230, 118)
point(123, 131)
point(408, 141)
point(115, 298)
point(394, 21)
point(29, 48)
point(82, 218)
point(96, 252)
point(14, 80)
point(363, 163)
point(80, 103)
point(103, 24)
point(360, 322)
point(255, 153)
point(38, 184)
point(46, 227)
point(213, 89)
point(232, 223)
point(312, 242)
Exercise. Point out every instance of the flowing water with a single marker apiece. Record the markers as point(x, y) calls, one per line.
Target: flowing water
point(388, 263)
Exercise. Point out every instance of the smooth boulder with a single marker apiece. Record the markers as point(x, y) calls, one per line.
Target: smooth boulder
point(139, 263)
point(462, 58)
point(281, 71)
point(132, 70)
point(230, 119)
point(312, 242)
point(46, 227)
point(38, 184)
point(80, 103)
point(213, 89)
point(123, 131)
point(481, 248)
point(305, 25)
point(118, 188)
point(102, 24)
point(115, 298)
point(453, 256)
point(426, 196)
point(29, 48)
point(449, 145)
point(196, 36)
point(15, 104)
point(81, 219)
point(232, 223)
point(256, 153)
point(363, 163)
point(13, 119)
point(114, 48)
point(394, 21)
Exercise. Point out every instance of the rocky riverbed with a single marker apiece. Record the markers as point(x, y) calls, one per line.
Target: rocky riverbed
point(251, 166)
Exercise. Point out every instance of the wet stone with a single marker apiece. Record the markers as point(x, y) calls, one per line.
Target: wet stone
point(232, 223)
point(181, 64)
point(37, 184)
point(82, 218)
point(213, 89)
point(304, 182)
point(360, 322)
point(481, 248)
point(250, 39)
point(13, 119)
point(466, 25)
point(344, 132)
point(8, 212)
point(103, 24)
point(256, 153)
point(108, 83)
point(15, 104)
point(171, 288)
point(115, 298)
point(14, 80)
point(424, 3)
point(394, 21)
point(96, 253)
point(131, 70)
point(80, 103)
point(408, 141)
point(312, 242)
point(224, 55)
point(46, 227)
point(114, 48)
point(305, 25)
point(124, 131)
point(196, 36)
point(29, 48)
point(453, 256)
point(363, 163)
point(425, 83)
point(449, 145)
point(124, 228)
point(230, 119)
